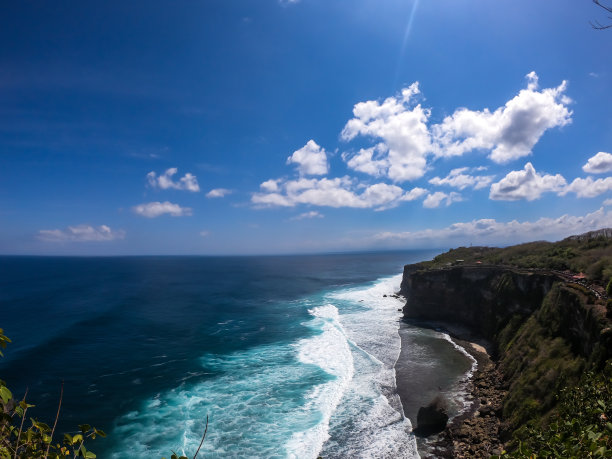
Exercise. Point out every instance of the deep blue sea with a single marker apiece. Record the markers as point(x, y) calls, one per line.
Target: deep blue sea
point(289, 356)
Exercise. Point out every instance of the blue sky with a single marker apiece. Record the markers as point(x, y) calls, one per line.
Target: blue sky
point(259, 126)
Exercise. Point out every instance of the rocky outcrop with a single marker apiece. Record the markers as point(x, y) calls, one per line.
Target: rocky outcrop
point(432, 419)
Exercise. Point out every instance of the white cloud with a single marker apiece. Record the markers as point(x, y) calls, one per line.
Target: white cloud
point(305, 215)
point(403, 134)
point(370, 161)
point(204, 233)
point(511, 131)
point(599, 164)
point(490, 231)
point(589, 188)
point(336, 192)
point(164, 181)
point(218, 193)
point(269, 186)
point(81, 233)
point(458, 179)
point(526, 184)
point(607, 202)
point(311, 159)
point(438, 198)
point(414, 194)
point(156, 209)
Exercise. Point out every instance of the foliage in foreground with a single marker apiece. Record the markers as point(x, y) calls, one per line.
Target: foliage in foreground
point(23, 439)
point(581, 428)
point(36, 439)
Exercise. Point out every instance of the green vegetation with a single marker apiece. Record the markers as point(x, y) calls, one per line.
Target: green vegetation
point(581, 426)
point(592, 256)
point(556, 355)
point(35, 439)
point(21, 441)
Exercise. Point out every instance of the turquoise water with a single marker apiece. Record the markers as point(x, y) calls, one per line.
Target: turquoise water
point(287, 356)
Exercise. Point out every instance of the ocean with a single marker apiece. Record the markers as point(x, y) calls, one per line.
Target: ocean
point(288, 356)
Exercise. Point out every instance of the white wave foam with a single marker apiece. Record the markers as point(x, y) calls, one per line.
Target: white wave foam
point(369, 422)
point(462, 392)
point(329, 351)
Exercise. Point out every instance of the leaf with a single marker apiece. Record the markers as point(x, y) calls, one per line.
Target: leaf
point(5, 394)
point(601, 404)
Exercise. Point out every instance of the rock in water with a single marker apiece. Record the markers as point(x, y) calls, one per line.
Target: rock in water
point(432, 419)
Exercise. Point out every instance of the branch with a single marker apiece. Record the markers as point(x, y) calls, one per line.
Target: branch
point(203, 437)
point(597, 25)
point(59, 407)
point(607, 8)
point(21, 426)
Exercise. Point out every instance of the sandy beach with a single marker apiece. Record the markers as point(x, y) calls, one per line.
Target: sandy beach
point(472, 432)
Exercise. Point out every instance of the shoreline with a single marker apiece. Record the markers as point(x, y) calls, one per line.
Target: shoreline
point(476, 431)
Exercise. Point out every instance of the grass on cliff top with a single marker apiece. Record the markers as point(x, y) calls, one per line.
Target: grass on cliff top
point(591, 256)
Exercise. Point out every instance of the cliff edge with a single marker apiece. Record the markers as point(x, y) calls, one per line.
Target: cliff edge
point(543, 329)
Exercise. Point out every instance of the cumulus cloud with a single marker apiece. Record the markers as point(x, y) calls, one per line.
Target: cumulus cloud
point(157, 209)
point(401, 129)
point(589, 188)
point(526, 184)
point(270, 186)
point(607, 202)
point(311, 159)
point(490, 231)
point(599, 164)
point(439, 198)
point(308, 215)
point(370, 161)
point(218, 193)
point(414, 194)
point(81, 233)
point(164, 181)
point(335, 192)
point(457, 178)
point(509, 132)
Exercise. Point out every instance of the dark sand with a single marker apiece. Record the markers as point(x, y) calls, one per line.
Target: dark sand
point(433, 373)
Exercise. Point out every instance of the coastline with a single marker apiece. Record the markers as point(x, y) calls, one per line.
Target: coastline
point(476, 430)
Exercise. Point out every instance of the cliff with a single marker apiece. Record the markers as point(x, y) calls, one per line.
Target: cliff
point(543, 331)
point(483, 299)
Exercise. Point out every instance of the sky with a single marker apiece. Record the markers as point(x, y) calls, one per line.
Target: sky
point(227, 127)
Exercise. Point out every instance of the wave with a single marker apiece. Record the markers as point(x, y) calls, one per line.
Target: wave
point(369, 422)
point(331, 393)
point(330, 352)
point(269, 401)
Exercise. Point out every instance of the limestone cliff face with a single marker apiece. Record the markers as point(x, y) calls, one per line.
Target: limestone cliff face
point(483, 299)
point(545, 332)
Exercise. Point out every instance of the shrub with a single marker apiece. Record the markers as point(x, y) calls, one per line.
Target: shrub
point(581, 428)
